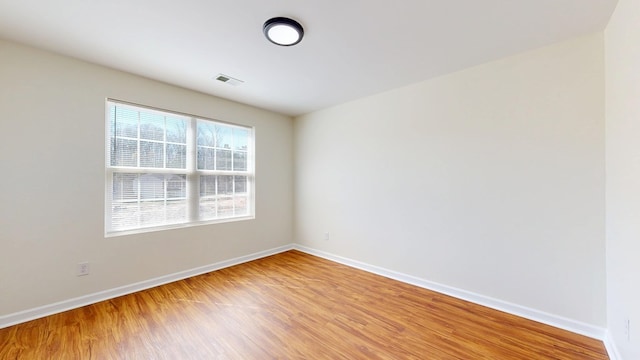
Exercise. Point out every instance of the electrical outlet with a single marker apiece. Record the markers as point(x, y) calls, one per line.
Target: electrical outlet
point(82, 269)
point(326, 235)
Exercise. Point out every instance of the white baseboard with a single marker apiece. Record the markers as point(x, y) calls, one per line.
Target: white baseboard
point(525, 312)
point(611, 347)
point(42, 311)
point(522, 311)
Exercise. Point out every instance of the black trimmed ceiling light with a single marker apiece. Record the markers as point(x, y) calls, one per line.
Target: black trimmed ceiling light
point(283, 31)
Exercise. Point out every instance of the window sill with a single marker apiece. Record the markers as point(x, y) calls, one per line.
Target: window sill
point(175, 226)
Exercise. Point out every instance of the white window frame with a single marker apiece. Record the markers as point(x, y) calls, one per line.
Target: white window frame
point(192, 173)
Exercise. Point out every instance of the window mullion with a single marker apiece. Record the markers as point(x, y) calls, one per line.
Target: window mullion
point(193, 183)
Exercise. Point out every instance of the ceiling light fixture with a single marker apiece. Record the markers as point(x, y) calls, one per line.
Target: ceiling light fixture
point(283, 31)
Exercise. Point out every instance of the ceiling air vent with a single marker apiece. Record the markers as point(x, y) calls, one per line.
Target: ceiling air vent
point(229, 80)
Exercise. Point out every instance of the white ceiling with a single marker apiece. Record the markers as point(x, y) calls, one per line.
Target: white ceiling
point(351, 48)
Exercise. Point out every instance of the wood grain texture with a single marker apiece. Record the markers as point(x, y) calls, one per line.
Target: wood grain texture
point(290, 306)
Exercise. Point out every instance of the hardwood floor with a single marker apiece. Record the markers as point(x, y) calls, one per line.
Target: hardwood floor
point(290, 306)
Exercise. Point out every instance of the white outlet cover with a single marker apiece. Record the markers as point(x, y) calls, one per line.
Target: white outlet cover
point(82, 269)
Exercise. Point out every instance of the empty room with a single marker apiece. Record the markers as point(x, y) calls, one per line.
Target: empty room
point(320, 180)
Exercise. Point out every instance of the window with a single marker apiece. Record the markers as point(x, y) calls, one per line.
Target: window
point(167, 170)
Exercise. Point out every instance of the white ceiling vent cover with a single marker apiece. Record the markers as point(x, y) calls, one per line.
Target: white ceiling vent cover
point(229, 80)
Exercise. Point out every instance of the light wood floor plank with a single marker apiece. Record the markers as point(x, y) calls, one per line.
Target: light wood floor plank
point(290, 306)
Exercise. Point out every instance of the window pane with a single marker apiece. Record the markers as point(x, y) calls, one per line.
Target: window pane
point(141, 200)
point(124, 152)
point(240, 139)
point(218, 199)
point(207, 185)
point(151, 126)
point(176, 130)
point(206, 158)
point(176, 156)
point(125, 186)
point(239, 160)
point(223, 137)
point(208, 197)
point(125, 121)
point(151, 212)
point(151, 154)
point(225, 184)
point(124, 215)
point(151, 186)
point(138, 138)
point(240, 184)
point(223, 159)
point(206, 133)
point(240, 205)
point(176, 211)
point(225, 196)
point(176, 186)
point(225, 205)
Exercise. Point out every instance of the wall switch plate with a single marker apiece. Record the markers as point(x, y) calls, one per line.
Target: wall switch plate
point(326, 235)
point(82, 269)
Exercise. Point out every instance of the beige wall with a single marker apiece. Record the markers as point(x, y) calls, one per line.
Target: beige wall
point(623, 176)
point(489, 180)
point(52, 155)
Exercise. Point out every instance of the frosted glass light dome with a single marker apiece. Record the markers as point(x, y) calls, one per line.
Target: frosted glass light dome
point(283, 31)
